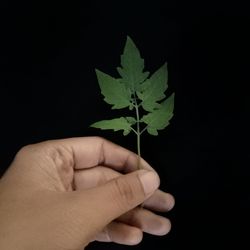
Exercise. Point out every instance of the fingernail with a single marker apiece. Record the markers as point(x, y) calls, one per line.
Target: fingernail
point(149, 180)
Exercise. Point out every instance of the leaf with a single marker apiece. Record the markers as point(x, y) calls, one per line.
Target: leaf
point(132, 66)
point(134, 89)
point(115, 93)
point(152, 90)
point(159, 118)
point(131, 120)
point(116, 124)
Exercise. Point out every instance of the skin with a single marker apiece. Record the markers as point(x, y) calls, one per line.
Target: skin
point(64, 194)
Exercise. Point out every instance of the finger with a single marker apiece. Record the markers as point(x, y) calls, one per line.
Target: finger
point(146, 221)
point(89, 178)
point(120, 233)
point(115, 197)
point(89, 152)
point(160, 201)
point(93, 177)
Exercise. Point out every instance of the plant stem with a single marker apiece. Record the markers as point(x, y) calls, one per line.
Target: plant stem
point(144, 129)
point(134, 130)
point(138, 134)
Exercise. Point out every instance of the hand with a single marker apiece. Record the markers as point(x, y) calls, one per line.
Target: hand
point(63, 194)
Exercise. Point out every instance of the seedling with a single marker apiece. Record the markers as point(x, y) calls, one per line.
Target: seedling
point(142, 93)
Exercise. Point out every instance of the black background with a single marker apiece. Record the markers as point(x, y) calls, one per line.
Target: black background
point(48, 90)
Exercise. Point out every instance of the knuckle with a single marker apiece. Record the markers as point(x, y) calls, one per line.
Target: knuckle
point(99, 139)
point(24, 151)
point(60, 155)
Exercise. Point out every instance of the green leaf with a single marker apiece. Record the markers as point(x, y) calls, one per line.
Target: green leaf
point(152, 90)
point(134, 89)
point(132, 66)
point(115, 124)
point(131, 120)
point(115, 93)
point(159, 119)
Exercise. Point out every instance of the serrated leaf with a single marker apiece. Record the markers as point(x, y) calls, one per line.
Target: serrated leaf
point(114, 92)
point(132, 66)
point(152, 90)
point(114, 124)
point(159, 119)
point(136, 90)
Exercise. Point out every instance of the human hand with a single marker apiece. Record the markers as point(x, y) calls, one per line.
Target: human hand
point(63, 194)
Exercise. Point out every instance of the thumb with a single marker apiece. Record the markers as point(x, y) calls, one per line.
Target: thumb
point(109, 201)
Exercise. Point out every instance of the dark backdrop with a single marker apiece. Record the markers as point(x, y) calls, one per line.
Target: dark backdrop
point(48, 90)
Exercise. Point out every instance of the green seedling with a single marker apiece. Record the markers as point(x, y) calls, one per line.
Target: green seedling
point(142, 93)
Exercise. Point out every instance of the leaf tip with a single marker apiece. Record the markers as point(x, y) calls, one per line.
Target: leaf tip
point(128, 39)
point(130, 43)
point(92, 125)
point(165, 65)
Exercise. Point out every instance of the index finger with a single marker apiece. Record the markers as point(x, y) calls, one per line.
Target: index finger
point(90, 152)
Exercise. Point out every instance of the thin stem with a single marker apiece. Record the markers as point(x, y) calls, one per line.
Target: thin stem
point(134, 130)
point(138, 133)
point(143, 129)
